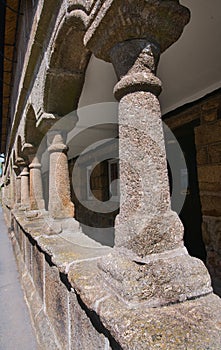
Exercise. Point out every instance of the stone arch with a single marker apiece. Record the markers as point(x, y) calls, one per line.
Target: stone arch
point(66, 71)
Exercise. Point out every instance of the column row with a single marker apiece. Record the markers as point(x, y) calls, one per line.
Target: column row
point(29, 193)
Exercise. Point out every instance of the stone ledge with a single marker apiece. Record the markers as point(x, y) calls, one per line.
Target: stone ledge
point(64, 249)
point(193, 324)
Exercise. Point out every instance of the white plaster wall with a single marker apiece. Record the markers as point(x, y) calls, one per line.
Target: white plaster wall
point(99, 83)
point(189, 69)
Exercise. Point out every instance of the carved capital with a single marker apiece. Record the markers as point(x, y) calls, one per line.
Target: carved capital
point(56, 141)
point(28, 149)
point(135, 62)
point(159, 21)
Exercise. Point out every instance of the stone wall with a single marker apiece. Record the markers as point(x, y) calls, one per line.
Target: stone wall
point(59, 316)
point(73, 306)
point(208, 157)
point(208, 143)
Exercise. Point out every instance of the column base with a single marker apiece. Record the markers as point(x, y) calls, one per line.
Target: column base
point(165, 278)
point(144, 234)
point(36, 214)
point(23, 207)
point(56, 226)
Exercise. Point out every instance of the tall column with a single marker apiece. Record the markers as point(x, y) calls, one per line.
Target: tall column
point(36, 188)
point(60, 205)
point(25, 198)
point(147, 230)
point(146, 223)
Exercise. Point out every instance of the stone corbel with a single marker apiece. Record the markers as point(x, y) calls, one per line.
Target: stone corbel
point(159, 21)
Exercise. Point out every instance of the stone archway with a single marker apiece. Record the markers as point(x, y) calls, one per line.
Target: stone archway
point(65, 75)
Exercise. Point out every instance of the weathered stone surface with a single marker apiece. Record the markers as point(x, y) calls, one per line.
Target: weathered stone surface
point(60, 205)
point(18, 189)
point(210, 174)
point(208, 133)
point(202, 155)
point(56, 303)
point(191, 324)
point(162, 280)
point(214, 152)
point(38, 270)
point(135, 63)
point(25, 200)
point(211, 230)
point(20, 237)
point(64, 252)
point(84, 4)
point(144, 181)
point(85, 332)
point(160, 21)
point(210, 116)
point(36, 190)
point(160, 233)
point(194, 324)
point(211, 203)
point(62, 91)
point(84, 277)
point(46, 336)
point(44, 333)
point(28, 255)
point(65, 72)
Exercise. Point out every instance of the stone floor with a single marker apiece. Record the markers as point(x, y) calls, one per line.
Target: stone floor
point(16, 331)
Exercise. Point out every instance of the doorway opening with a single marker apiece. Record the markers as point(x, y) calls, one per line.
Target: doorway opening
point(190, 214)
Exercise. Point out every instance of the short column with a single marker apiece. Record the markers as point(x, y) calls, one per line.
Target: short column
point(25, 198)
point(60, 205)
point(36, 189)
point(18, 189)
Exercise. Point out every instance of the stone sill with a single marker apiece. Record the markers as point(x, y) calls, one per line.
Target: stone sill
point(191, 323)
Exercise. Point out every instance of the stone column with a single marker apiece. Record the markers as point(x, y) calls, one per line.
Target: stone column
point(25, 198)
point(60, 205)
point(18, 189)
point(17, 185)
point(146, 223)
point(12, 186)
point(147, 230)
point(36, 189)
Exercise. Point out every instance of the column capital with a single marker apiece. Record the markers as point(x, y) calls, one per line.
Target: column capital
point(56, 141)
point(35, 164)
point(20, 162)
point(27, 149)
point(135, 62)
point(24, 171)
point(159, 21)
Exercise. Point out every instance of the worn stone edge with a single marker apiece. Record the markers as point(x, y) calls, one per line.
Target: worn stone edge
point(45, 336)
point(87, 285)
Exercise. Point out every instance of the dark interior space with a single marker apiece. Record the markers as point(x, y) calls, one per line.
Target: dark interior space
point(187, 189)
